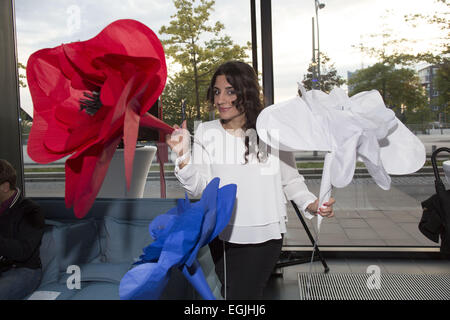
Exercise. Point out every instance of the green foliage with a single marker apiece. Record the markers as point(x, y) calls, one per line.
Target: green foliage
point(442, 85)
point(26, 120)
point(398, 51)
point(328, 75)
point(418, 118)
point(442, 42)
point(179, 88)
point(399, 87)
point(398, 84)
point(199, 48)
point(22, 67)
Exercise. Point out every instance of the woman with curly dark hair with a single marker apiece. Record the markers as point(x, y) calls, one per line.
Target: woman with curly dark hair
point(246, 251)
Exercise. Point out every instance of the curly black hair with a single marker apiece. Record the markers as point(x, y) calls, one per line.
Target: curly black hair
point(244, 80)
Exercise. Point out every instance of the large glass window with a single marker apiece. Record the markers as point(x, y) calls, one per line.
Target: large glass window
point(365, 214)
point(48, 24)
point(350, 37)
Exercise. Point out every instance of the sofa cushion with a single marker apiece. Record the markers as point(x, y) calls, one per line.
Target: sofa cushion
point(98, 291)
point(48, 252)
point(63, 293)
point(124, 239)
point(122, 227)
point(77, 242)
point(100, 272)
point(206, 262)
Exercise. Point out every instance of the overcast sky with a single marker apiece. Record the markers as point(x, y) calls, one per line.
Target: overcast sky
point(343, 23)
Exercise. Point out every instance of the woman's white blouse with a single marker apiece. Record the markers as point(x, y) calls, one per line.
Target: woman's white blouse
point(262, 187)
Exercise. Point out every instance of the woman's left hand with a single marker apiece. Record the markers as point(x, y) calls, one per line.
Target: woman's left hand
point(324, 212)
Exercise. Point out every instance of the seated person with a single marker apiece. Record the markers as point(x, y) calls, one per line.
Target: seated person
point(21, 230)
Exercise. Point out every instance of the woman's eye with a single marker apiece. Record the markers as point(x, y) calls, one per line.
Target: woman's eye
point(231, 92)
point(216, 92)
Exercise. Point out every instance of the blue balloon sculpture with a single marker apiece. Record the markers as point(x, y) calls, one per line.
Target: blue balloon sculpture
point(179, 234)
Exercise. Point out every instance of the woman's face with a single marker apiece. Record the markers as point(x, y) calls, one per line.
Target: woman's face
point(224, 95)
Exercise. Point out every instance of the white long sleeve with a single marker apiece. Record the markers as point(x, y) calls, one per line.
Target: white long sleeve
point(293, 182)
point(262, 186)
point(194, 176)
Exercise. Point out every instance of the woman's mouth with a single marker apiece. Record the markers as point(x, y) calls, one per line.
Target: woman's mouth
point(224, 109)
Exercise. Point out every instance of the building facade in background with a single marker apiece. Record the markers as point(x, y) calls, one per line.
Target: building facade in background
point(426, 76)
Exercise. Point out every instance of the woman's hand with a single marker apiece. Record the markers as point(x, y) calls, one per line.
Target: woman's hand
point(180, 140)
point(324, 212)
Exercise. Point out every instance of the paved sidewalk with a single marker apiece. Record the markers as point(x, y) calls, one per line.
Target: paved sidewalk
point(366, 215)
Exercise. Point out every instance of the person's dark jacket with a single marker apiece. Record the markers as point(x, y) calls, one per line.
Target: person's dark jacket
point(435, 218)
point(21, 230)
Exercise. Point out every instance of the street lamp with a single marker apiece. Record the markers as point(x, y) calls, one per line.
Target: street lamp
point(318, 6)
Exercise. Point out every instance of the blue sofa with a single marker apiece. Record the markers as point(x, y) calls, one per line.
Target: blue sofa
point(104, 245)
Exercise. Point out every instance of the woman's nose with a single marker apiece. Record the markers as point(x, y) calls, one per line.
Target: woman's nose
point(220, 98)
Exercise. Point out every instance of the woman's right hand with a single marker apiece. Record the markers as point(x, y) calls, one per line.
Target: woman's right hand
point(180, 140)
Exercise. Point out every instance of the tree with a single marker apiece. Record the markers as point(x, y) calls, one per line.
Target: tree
point(439, 19)
point(22, 67)
point(399, 51)
point(25, 119)
point(198, 56)
point(418, 119)
point(174, 94)
point(399, 87)
point(328, 75)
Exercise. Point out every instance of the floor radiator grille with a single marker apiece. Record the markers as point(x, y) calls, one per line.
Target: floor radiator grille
point(357, 286)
